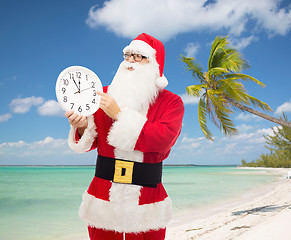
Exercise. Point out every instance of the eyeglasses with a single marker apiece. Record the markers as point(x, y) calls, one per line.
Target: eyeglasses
point(136, 57)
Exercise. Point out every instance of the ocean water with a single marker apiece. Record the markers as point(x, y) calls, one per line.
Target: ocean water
point(41, 202)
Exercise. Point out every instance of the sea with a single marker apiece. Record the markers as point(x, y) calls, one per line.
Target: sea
point(42, 202)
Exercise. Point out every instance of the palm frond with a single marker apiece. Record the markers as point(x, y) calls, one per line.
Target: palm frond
point(226, 124)
point(217, 100)
point(217, 73)
point(222, 112)
point(222, 55)
point(202, 116)
point(218, 44)
point(193, 67)
point(196, 90)
point(211, 111)
point(257, 103)
point(233, 61)
point(232, 89)
point(244, 77)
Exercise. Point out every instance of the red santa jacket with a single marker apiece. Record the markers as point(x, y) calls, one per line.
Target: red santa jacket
point(140, 137)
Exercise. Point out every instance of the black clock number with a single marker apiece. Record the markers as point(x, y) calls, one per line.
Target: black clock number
point(65, 99)
point(64, 90)
point(94, 101)
point(66, 82)
point(78, 74)
point(86, 77)
point(93, 84)
point(80, 109)
point(72, 76)
point(72, 105)
point(94, 93)
point(87, 107)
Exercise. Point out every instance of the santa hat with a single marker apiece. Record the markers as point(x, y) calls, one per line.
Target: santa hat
point(154, 50)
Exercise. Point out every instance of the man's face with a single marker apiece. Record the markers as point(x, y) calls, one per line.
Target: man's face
point(135, 58)
point(134, 84)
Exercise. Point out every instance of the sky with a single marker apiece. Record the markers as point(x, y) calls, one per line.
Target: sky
point(38, 39)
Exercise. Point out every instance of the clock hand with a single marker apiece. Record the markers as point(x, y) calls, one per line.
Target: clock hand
point(83, 90)
point(77, 86)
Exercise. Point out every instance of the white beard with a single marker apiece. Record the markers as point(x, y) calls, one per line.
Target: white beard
point(135, 89)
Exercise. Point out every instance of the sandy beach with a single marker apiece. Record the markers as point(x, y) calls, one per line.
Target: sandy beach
point(263, 214)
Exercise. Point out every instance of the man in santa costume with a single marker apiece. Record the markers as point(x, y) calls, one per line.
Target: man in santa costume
point(134, 129)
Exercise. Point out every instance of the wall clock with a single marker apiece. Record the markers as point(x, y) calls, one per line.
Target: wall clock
point(76, 90)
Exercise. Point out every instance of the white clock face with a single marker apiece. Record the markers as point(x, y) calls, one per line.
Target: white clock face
point(76, 90)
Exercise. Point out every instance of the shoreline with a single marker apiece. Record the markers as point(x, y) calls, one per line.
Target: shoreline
point(234, 218)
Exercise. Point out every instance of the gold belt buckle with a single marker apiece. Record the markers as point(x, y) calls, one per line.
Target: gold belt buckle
point(123, 171)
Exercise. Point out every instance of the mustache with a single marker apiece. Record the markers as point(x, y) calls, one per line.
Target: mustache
point(126, 64)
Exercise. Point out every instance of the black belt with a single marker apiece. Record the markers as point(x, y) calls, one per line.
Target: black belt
point(124, 171)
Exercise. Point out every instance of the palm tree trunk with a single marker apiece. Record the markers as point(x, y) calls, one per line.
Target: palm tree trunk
point(258, 113)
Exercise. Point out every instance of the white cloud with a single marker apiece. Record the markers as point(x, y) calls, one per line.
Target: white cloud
point(191, 49)
point(254, 137)
point(23, 105)
point(244, 128)
point(13, 144)
point(230, 147)
point(5, 117)
point(46, 151)
point(245, 142)
point(51, 108)
point(267, 131)
point(189, 144)
point(248, 117)
point(47, 146)
point(241, 43)
point(188, 140)
point(225, 149)
point(167, 18)
point(187, 99)
point(285, 107)
point(193, 144)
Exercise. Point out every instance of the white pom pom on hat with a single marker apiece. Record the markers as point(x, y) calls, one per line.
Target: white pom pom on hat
point(161, 82)
point(153, 49)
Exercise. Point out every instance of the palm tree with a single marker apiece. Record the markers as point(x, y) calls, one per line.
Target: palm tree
point(221, 90)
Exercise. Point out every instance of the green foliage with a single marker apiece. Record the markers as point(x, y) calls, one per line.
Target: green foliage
point(279, 144)
point(220, 84)
point(281, 139)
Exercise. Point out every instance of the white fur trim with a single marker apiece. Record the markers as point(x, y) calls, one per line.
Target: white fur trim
point(161, 82)
point(136, 156)
point(125, 131)
point(141, 47)
point(122, 217)
point(86, 141)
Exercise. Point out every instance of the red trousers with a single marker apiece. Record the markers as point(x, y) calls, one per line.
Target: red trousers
point(100, 234)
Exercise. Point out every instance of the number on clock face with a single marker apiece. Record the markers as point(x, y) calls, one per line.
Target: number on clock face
point(76, 90)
